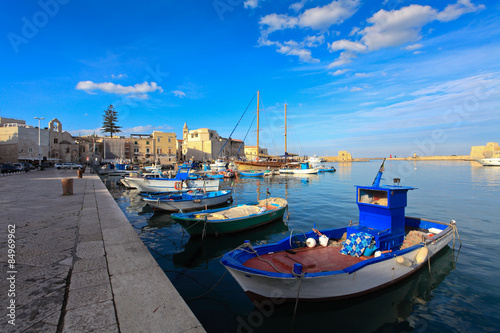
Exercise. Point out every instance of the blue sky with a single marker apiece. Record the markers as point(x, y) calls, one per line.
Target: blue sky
point(371, 77)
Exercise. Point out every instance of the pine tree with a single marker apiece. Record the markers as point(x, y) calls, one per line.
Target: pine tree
point(110, 120)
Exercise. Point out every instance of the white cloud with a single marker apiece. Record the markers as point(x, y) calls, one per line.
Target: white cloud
point(293, 48)
point(339, 72)
point(314, 41)
point(413, 47)
point(317, 18)
point(336, 12)
point(363, 74)
point(344, 44)
point(298, 5)
point(344, 58)
point(118, 76)
point(398, 27)
point(251, 3)
point(452, 12)
point(138, 90)
point(356, 89)
point(178, 93)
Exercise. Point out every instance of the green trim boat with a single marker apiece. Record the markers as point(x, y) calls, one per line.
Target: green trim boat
point(215, 222)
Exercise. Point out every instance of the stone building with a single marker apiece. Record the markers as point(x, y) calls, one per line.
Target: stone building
point(205, 144)
point(251, 152)
point(19, 142)
point(491, 148)
point(63, 148)
point(157, 147)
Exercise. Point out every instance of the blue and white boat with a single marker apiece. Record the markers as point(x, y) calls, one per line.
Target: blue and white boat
point(385, 247)
point(189, 201)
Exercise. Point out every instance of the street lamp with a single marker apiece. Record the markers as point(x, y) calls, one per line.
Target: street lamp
point(39, 147)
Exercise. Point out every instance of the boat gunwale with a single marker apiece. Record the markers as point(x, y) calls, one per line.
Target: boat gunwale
point(236, 219)
point(230, 259)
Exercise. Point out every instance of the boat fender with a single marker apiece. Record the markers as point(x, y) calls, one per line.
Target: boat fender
point(311, 242)
point(404, 261)
point(323, 240)
point(422, 255)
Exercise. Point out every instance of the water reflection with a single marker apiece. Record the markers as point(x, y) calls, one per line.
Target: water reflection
point(196, 251)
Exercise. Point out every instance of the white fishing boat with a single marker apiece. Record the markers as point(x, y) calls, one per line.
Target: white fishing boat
point(385, 247)
point(189, 201)
point(303, 168)
point(315, 159)
point(180, 183)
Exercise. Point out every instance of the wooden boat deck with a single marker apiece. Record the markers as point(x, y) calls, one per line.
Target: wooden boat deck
point(313, 260)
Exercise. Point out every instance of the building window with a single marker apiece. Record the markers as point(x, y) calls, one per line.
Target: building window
point(147, 150)
point(169, 140)
point(30, 150)
point(169, 151)
point(147, 142)
point(83, 149)
point(136, 150)
point(159, 138)
point(158, 151)
point(136, 143)
point(55, 140)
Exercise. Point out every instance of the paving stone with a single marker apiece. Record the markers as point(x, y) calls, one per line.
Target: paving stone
point(90, 318)
point(87, 296)
point(84, 265)
point(88, 250)
point(128, 257)
point(88, 279)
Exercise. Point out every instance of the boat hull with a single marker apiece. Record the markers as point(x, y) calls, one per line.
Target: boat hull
point(169, 185)
point(197, 203)
point(198, 226)
point(259, 165)
point(365, 277)
point(299, 171)
point(490, 161)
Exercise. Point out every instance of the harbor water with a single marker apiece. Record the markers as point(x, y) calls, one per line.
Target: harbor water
point(460, 293)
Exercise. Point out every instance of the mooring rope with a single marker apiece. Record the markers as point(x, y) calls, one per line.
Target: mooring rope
point(208, 291)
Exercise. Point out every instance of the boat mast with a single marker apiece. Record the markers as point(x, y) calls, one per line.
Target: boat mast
point(285, 133)
point(258, 94)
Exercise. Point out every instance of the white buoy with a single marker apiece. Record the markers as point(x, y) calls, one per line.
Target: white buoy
point(421, 255)
point(323, 240)
point(311, 242)
point(404, 261)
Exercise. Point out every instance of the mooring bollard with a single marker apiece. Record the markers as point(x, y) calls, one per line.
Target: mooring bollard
point(67, 185)
point(79, 172)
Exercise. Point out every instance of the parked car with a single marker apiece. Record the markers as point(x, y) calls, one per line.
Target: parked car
point(8, 168)
point(59, 165)
point(21, 167)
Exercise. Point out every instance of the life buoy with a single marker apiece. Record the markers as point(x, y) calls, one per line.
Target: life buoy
point(178, 186)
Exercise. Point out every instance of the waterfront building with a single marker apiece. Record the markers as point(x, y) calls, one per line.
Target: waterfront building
point(157, 147)
point(344, 156)
point(251, 152)
point(204, 144)
point(91, 148)
point(19, 142)
point(116, 149)
point(490, 150)
point(63, 147)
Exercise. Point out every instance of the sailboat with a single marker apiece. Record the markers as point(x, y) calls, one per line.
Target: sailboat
point(273, 163)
